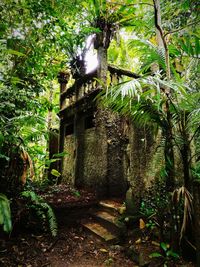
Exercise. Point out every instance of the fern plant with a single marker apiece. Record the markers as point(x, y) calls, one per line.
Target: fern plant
point(5, 213)
point(43, 210)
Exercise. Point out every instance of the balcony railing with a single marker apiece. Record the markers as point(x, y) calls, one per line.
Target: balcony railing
point(88, 84)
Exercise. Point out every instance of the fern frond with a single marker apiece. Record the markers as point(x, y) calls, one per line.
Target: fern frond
point(43, 210)
point(5, 213)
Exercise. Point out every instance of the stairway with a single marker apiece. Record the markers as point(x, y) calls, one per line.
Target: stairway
point(103, 222)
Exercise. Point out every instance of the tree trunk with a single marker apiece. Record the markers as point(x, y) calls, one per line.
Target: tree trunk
point(168, 133)
point(186, 166)
point(169, 151)
point(63, 78)
point(103, 65)
point(196, 201)
point(49, 126)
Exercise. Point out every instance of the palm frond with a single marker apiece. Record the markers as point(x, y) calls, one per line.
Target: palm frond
point(148, 52)
point(183, 193)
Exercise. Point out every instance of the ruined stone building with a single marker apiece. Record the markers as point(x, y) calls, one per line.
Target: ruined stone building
point(104, 150)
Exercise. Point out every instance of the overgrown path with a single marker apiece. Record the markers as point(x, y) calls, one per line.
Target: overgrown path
point(72, 247)
point(28, 246)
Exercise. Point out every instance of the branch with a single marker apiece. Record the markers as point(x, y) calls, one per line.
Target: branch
point(196, 154)
point(158, 27)
point(140, 3)
point(179, 29)
point(196, 131)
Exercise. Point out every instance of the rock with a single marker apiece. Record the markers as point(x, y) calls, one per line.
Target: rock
point(132, 254)
point(130, 205)
point(144, 260)
point(117, 248)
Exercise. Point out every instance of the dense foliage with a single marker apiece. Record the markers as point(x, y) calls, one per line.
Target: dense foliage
point(158, 39)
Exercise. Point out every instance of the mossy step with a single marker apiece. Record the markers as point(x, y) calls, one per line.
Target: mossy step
point(112, 204)
point(100, 231)
point(106, 216)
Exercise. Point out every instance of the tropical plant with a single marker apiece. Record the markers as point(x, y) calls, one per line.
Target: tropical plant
point(165, 100)
point(155, 207)
point(167, 254)
point(29, 62)
point(42, 209)
point(5, 213)
point(182, 196)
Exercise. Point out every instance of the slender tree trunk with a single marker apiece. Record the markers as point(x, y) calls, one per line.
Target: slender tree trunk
point(49, 116)
point(49, 126)
point(186, 166)
point(168, 132)
point(63, 79)
point(186, 154)
point(169, 151)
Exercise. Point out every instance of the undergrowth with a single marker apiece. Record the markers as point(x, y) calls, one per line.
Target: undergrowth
point(5, 213)
point(42, 209)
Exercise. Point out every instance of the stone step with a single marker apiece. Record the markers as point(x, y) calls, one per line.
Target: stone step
point(114, 205)
point(100, 231)
point(110, 221)
point(105, 215)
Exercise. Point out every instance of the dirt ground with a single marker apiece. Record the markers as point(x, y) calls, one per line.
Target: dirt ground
point(28, 246)
point(73, 247)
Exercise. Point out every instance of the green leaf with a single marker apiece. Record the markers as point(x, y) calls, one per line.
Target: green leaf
point(5, 213)
point(62, 154)
point(76, 193)
point(155, 255)
point(189, 46)
point(15, 52)
point(55, 173)
point(197, 46)
point(172, 254)
point(164, 246)
point(183, 45)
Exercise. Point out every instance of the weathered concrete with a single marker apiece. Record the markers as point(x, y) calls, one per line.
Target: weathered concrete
point(68, 171)
point(95, 160)
point(144, 163)
point(110, 151)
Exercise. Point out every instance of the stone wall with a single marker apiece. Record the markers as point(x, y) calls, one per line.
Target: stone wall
point(116, 139)
point(107, 155)
point(68, 169)
point(145, 160)
point(95, 161)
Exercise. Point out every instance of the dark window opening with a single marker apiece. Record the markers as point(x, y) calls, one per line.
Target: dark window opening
point(69, 129)
point(89, 122)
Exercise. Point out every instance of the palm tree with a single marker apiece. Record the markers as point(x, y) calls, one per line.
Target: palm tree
point(165, 102)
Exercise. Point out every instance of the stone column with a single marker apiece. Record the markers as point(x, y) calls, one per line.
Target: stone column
point(63, 78)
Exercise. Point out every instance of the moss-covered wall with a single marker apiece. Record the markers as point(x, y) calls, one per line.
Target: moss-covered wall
point(68, 169)
point(144, 160)
point(95, 161)
point(109, 154)
point(95, 154)
point(116, 172)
